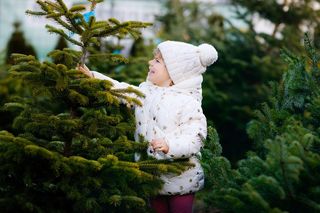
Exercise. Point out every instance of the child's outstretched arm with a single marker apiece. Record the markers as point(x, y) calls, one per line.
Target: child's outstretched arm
point(187, 140)
point(93, 74)
point(116, 85)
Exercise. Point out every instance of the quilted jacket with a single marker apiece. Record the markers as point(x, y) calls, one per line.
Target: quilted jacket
point(175, 114)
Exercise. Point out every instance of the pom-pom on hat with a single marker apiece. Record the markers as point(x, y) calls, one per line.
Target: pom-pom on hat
point(185, 61)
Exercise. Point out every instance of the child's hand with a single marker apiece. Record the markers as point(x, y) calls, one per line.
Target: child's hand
point(160, 145)
point(84, 69)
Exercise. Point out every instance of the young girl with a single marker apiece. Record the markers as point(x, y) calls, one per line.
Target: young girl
point(171, 117)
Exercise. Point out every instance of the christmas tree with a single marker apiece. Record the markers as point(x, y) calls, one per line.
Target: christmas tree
point(248, 58)
point(69, 147)
point(17, 44)
point(283, 173)
point(61, 44)
point(11, 89)
point(133, 70)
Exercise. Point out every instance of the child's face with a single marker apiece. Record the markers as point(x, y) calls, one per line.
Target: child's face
point(158, 73)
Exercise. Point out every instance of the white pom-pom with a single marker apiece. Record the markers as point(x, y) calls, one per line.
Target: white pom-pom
point(208, 54)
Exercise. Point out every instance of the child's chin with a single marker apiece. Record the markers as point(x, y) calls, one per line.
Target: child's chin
point(149, 78)
point(153, 82)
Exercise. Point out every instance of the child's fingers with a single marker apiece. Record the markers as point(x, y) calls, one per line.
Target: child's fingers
point(79, 67)
point(158, 146)
point(154, 143)
point(83, 70)
point(160, 149)
point(158, 142)
point(84, 67)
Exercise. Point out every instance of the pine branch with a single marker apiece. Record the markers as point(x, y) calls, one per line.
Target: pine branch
point(313, 55)
point(127, 99)
point(19, 58)
point(77, 8)
point(65, 25)
point(284, 172)
point(35, 13)
point(55, 6)
point(54, 15)
point(63, 6)
point(71, 19)
point(108, 56)
point(95, 41)
point(128, 90)
point(91, 22)
point(314, 205)
point(52, 29)
point(44, 6)
point(100, 24)
point(13, 106)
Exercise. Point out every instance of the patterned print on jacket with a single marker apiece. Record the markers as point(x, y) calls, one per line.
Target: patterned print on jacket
point(172, 114)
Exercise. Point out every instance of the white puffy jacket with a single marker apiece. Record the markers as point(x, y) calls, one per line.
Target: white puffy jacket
point(175, 114)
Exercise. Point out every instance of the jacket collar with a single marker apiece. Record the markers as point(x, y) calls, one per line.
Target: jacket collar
point(190, 87)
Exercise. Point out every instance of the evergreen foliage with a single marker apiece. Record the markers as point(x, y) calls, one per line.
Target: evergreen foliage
point(10, 87)
point(283, 173)
point(17, 44)
point(248, 59)
point(69, 145)
point(133, 70)
point(61, 44)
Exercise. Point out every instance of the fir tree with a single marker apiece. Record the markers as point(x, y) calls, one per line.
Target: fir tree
point(18, 44)
point(133, 70)
point(71, 146)
point(61, 44)
point(283, 173)
point(248, 59)
point(10, 90)
point(290, 19)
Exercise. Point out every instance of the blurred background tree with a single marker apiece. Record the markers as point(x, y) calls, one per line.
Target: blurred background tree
point(282, 173)
point(61, 44)
point(9, 86)
point(18, 44)
point(248, 59)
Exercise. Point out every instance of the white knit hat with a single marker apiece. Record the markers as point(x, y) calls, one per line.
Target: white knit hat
point(185, 61)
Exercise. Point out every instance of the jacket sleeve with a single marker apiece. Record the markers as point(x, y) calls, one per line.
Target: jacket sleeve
point(116, 84)
point(119, 85)
point(187, 139)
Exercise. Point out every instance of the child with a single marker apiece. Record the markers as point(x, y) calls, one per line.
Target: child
point(171, 117)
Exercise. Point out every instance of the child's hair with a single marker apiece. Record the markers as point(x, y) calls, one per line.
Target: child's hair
point(157, 52)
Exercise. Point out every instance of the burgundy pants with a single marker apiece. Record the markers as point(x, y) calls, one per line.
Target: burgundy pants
point(172, 203)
